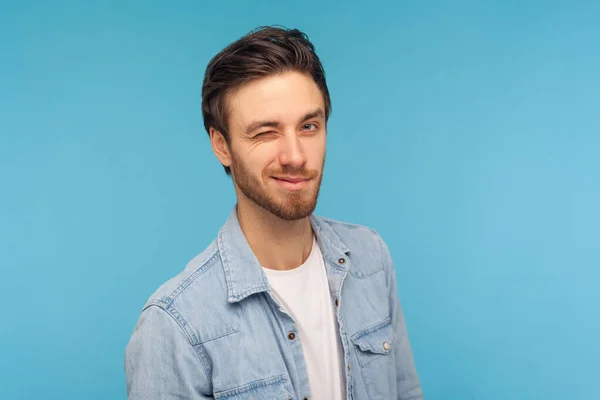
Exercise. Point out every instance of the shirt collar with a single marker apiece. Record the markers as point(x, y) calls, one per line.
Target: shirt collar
point(243, 273)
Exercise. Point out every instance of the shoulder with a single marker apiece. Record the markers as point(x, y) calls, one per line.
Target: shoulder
point(355, 236)
point(197, 296)
point(196, 273)
point(367, 249)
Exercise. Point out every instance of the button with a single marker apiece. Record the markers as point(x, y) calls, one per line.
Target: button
point(348, 366)
point(337, 302)
point(305, 398)
point(291, 336)
point(386, 346)
point(342, 260)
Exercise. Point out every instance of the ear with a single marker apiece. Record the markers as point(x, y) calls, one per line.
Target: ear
point(220, 147)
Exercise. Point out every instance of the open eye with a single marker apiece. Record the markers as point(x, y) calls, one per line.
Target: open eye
point(309, 127)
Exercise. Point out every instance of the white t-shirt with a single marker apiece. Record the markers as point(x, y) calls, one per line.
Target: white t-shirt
point(303, 293)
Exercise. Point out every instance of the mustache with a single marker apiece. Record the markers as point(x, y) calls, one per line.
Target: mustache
point(303, 173)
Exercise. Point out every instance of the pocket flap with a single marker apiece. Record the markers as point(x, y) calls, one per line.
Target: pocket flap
point(377, 338)
point(277, 388)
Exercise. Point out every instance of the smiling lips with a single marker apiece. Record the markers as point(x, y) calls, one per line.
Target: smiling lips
point(292, 183)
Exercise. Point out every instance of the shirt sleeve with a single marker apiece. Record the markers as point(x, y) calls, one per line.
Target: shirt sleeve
point(161, 363)
point(407, 379)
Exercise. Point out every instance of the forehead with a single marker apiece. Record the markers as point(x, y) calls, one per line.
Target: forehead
point(283, 97)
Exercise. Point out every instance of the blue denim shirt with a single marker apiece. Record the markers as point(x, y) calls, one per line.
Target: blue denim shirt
point(216, 331)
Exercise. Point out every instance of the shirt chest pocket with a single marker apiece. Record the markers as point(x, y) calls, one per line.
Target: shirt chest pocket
point(374, 351)
point(278, 388)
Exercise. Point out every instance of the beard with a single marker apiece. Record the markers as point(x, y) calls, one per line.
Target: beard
point(285, 204)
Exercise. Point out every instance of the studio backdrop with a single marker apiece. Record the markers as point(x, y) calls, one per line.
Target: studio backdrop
point(466, 133)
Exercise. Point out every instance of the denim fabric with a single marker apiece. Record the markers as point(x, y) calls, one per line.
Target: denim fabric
point(216, 331)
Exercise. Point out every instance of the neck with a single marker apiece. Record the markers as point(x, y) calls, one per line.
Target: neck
point(277, 244)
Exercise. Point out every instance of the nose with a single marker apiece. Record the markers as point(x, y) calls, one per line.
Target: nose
point(292, 153)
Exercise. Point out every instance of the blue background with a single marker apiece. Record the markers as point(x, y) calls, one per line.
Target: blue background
point(466, 133)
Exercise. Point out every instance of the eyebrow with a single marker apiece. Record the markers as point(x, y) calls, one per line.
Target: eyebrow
point(318, 113)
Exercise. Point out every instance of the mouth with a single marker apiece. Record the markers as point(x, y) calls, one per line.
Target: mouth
point(291, 183)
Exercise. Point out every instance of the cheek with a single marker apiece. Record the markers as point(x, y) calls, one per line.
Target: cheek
point(260, 158)
point(316, 153)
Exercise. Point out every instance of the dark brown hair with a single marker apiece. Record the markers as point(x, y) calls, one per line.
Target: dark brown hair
point(265, 51)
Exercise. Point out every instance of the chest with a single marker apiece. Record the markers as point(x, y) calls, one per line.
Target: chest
point(264, 357)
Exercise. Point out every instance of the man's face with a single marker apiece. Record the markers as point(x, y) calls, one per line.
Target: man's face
point(277, 141)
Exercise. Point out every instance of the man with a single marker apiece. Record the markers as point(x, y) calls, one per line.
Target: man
point(283, 304)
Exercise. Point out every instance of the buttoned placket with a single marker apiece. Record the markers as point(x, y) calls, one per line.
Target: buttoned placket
point(291, 332)
point(290, 329)
point(343, 264)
